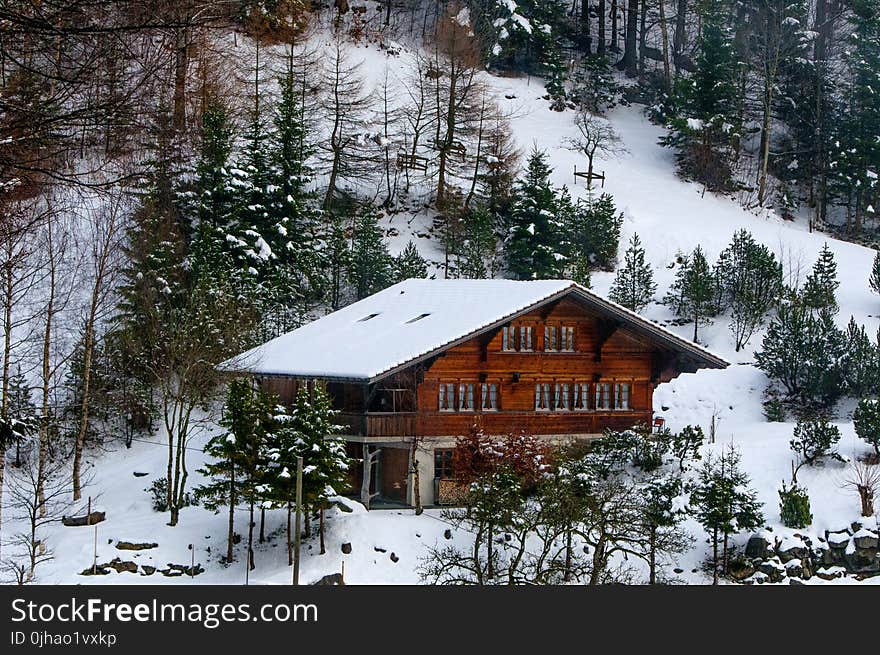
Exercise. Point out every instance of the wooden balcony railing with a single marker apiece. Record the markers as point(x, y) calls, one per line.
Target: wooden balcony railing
point(379, 424)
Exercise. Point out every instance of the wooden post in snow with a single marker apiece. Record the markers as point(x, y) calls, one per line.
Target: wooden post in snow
point(296, 534)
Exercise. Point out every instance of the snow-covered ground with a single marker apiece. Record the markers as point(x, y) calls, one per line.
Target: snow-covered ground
point(670, 216)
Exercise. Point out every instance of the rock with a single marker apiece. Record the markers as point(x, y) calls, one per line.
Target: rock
point(346, 548)
point(865, 539)
point(678, 571)
point(379, 550)
point(331, 579)
point(121, 566)
point(394, 558)
point(740, 569)
point(795, 581)
point(139, 474)
point(147, 569)
point(831, 573)
point(100, 570)
point(758, 547)
point(794, 568)
point(77, 521)
point(447, 534)
point(128, 545)
point(838, 540)
point(773, 569)
point(792, 548)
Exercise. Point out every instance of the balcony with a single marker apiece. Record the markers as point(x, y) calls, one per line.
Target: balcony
point(379, 424)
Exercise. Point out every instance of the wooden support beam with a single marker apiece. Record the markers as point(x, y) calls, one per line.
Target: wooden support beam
point(606, 330)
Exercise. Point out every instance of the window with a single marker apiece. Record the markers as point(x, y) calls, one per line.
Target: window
point(525, 337)
point(489, 397)
point(418, 318)
point(566, 338)
point(447, 397)
point(621, 396)
point(603, 395)
point(542, 396)
point(465, 397)
point(581, 396)
point(443, 463)
point(560, 397)
point(368, 317)
point(507, 338)
point(550, 338)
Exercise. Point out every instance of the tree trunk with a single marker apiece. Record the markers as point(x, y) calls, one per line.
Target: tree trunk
point(262, 524)
point(321, 530)
point(230, 536)
point(715, 556)
point(289, 535)
point(600, 46)
point(251, 523)
point(679, 36)
point(630, 57)
point(664, 37)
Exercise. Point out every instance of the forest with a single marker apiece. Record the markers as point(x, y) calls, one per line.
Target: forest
point(181, 181)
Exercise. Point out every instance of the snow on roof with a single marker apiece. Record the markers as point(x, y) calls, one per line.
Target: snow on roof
point(409, 320)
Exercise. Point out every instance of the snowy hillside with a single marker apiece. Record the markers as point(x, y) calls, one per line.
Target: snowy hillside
point(671, 217)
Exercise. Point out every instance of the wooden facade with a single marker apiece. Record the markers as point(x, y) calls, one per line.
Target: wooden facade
point(600, 356)
point(566, 368)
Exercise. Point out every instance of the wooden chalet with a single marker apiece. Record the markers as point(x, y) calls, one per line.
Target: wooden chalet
point(429, 359)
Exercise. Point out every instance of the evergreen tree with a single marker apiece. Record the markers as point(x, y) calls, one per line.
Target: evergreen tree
point(723, 503)
point(307, 431)
point(692, 294)
point(866, 421)
point(592, 229)
point(813, 440)
point(634, 285)
point(662, 520)
point(370, 265)
point(410, 264)
point(821, 285)
point(855, 150)
point(706, 135)
point(476, 259)
point(532, 246)
point(240, 458)
point(861, 362)
point(874, 280)
point(749, 282)
point(803, 351)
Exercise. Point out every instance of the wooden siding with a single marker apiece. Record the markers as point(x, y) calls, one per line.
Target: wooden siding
point(603, 351)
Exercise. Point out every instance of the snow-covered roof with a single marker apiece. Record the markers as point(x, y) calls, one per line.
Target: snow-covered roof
point(416, 318)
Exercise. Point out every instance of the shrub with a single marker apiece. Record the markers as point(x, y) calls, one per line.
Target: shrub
point(814, 440)
point(159, 492)
point(794, 506)
point(866, 421)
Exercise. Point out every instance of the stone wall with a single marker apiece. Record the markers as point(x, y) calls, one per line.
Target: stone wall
point(853, 551)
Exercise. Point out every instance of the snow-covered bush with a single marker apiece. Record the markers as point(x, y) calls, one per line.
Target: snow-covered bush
point(794, 506)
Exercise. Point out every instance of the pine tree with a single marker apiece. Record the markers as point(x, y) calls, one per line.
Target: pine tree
point(532, 246)
point(802, 351)
point(410, 264)
point(821, 284)
point(307, 431)
point(592, 229)
point(240, 458)
point(874, 280)
point(337, 258)
point(477, 255)
point(860, 363)
point(749, 283)
point(634, 284)
point(723, 503)
point(370, 265)
point(692, 293)
point(866, 421)
point(855, 151)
